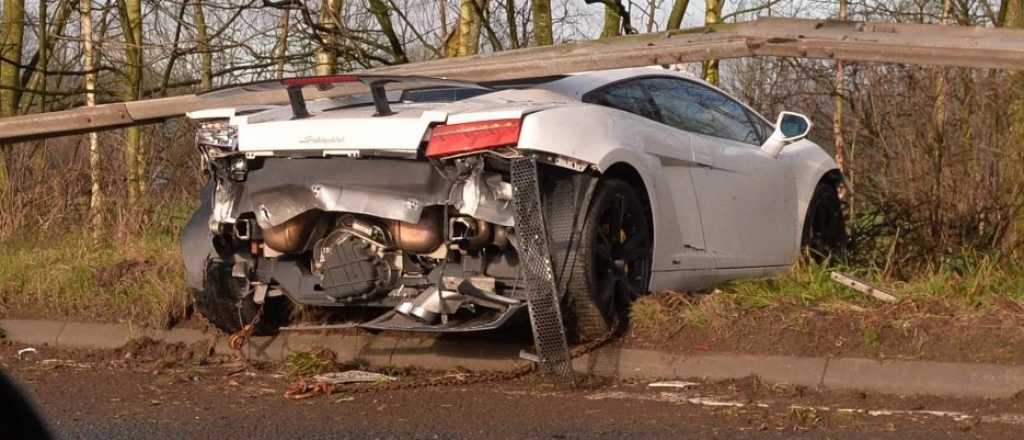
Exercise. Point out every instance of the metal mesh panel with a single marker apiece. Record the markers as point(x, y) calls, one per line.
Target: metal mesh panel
point(539, 279)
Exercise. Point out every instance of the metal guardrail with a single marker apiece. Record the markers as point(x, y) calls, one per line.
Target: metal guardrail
point(925, 44)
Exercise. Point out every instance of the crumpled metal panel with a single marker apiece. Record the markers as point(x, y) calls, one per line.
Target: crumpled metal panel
point(282, 188)
point(539, 278)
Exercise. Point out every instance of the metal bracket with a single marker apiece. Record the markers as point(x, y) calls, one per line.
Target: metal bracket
point(539, 278)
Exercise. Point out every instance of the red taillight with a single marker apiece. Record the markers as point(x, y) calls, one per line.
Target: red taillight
point(446, 140)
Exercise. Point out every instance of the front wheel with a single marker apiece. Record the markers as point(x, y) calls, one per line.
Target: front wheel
point(824, 235)
point(611, 264)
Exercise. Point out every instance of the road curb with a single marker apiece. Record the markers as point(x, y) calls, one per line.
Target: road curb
point(945, 379)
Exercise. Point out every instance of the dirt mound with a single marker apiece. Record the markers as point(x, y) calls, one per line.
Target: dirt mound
point(166, 355)
point(124, 272)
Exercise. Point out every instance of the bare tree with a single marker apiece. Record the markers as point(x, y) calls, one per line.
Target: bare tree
point(712, 16)
point(39, 63)
point(382, 13)
point(11, 45)
point(203, 47)
point(675, 18)
point(612, 21)
point(89, 65)
point(281, 48)
point(326, 54)
point(542, 33)
point(130, 13)
point(837, 115)
point(12, 29)
point(470, 24)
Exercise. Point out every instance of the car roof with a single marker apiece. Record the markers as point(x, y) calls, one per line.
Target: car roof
point(578, 84)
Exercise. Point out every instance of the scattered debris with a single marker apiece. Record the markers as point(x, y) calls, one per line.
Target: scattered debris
point(301, 389)
point(300, 328)
point(863, 287)
point(26, 351)
point(57, 363)
point(672, 384)
point(325, 383)
point(352, 376)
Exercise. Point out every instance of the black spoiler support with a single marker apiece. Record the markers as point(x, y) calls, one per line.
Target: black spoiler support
point(376, 83)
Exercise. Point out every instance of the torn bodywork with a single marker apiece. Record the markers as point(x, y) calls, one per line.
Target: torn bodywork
point(431, 243)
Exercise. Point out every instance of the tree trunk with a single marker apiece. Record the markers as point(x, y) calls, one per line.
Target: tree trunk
point(203, 47)
point(542, 34)
point(281, 51)
point(442, 13)
point(713, 15)
point(381, 12)
point(675, 18)
point(469, 27)
point(12, 29)
point(837, 115)
point(1013, 14)
point(510, 17)
point(131, 23)
point(327, 53)
point(12, 26)
point(88, 64)
point(43, 58)
point(612, 21)
point(56, 27)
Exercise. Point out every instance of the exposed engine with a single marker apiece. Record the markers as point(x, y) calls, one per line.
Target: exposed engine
point(427, 242)
point(357, 261)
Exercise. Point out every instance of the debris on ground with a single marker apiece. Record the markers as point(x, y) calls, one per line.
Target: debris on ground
point(672, 384)
point(24, 352)
point(353, 376)
point(325, 383)
point(863, 287)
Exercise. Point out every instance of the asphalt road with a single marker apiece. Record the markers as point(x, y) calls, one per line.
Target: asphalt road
point(103, 395)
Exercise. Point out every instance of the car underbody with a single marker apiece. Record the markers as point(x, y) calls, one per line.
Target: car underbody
point(430, 244)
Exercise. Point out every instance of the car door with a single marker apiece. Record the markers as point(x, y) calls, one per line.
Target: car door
point(680, 240)
point(747, 198)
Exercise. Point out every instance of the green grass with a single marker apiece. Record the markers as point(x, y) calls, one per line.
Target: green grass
point(306, 363)
point(972, 282)
point(968, 284)
point(136, 280)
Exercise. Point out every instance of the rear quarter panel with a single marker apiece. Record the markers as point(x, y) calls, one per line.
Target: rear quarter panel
point(604, 137)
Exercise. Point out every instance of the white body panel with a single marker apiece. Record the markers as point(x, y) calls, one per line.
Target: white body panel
point(721, 209)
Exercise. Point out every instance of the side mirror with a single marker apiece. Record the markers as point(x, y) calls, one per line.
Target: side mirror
point(789, 128)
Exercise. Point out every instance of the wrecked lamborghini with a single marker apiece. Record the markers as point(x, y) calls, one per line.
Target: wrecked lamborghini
point(402, 199)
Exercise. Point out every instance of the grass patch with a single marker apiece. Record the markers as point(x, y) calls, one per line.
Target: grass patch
point(310, 363)
point(138, 280)
point(969, 282)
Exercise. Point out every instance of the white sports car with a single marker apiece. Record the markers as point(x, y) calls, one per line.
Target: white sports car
point(404, 198)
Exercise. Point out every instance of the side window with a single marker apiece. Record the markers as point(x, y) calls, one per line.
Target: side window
point(693, 107)
point(628, 96)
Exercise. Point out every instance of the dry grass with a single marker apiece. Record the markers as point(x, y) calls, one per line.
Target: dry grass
point(137, 280)
point(971, 287)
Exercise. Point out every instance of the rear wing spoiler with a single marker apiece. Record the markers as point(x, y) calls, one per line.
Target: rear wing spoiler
point(376, 83)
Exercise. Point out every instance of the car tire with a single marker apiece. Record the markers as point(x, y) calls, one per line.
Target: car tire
point(221, 302)
point(824, 235)
point(600, 270)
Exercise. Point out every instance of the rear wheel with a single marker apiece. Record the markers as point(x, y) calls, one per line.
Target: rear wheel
point(824, 234)
point(222, 302)
point(611, 264)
